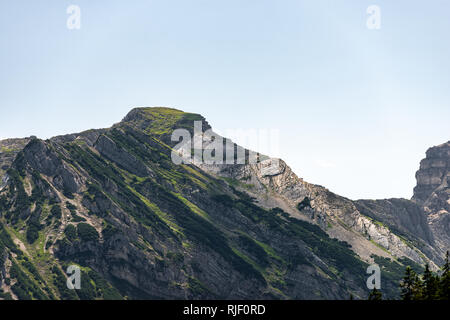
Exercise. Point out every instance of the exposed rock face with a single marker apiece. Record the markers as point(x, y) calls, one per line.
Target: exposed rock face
point(406, 219)
point(402, 215)
point(45, 159)
point(113, 152)
point(433, 177)
point(432, 192)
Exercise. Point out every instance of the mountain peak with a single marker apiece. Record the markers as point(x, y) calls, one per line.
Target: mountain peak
point(161, 121)
point(145, 112)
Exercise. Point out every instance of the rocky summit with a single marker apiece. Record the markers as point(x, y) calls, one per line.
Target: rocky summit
point(113, 203)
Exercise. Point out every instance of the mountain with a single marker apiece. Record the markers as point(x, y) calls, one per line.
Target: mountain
point(113, 202)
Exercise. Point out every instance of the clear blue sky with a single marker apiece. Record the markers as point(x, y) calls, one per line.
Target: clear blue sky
point(356, 108)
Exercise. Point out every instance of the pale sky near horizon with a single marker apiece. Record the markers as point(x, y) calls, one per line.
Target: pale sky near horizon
point(355, 108)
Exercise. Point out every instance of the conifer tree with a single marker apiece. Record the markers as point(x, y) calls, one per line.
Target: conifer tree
point(430, 284)
point(427, 287)
point(444, 283)
point(410, 285)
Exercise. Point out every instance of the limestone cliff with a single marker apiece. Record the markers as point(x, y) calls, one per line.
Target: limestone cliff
point(432, 192)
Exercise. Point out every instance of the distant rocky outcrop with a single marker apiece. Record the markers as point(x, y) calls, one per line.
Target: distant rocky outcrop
point(432, 192)
point(433, 179)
